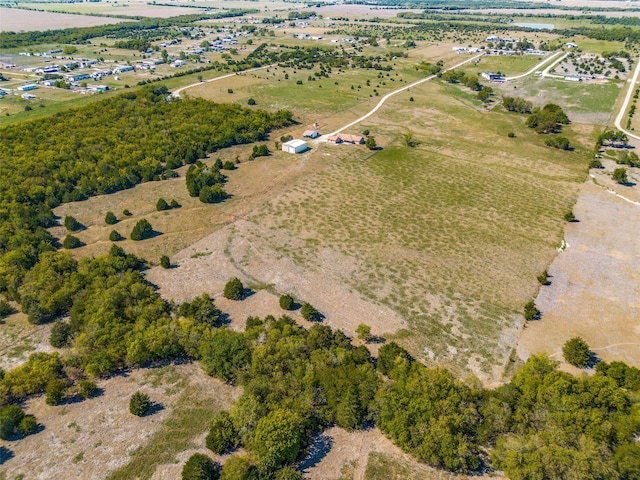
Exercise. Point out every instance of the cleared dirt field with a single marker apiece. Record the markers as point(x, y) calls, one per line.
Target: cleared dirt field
point(16, 20)
point(595, 284)
point(91, 439)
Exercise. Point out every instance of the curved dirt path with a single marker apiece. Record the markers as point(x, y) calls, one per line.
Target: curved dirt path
point(536, 68)
point(391, 94)
point(176, 93)
point(625, 104)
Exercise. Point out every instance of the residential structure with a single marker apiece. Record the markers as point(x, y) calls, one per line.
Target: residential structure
point(346, 138)
point(311, 133)
point(493, 77)
point(26, 88)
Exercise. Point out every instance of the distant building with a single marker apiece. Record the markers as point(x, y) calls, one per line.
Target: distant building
point(78, 77)
point(493, 77)
point(26, 88)
point(295, 146)
point(571, 45)
point(346, 138)
point(28, 96)
point(311, 133)
point(125, 68)
point(573, 78)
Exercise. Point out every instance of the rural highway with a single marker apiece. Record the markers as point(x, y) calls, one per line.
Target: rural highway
point(391, 94)
point(537, 67)
point(627, 99)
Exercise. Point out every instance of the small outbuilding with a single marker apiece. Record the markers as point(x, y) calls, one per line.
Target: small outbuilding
point(295, 146)
point(311, 134)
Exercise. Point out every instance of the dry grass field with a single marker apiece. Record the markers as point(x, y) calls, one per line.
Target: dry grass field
point(17, 20)
point(595, 285)
point(99, 438)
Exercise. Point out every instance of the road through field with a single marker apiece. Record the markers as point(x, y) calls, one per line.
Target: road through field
point(391, 94)
point(627, 99)
point(176, 93)
point(536, 68)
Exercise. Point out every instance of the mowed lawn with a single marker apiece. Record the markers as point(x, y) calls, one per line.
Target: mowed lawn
point(452, 231)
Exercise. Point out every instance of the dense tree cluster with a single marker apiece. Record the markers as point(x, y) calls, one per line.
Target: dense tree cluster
point(135, 137)
point(516, 104)
point(549, 119)
point(543, 424)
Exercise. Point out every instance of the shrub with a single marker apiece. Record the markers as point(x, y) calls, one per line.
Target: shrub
point(530, 311)
point(364, 332)
point(126, 213)
point(142, 230)
point(511, 135)
point(238, 467)
point(251, 101)
point(174, 203)
point(228, 165)
point(161, 205)
point(213, 194)
point(286, 302)
point(114, 236)
point(234, 289)
point(60, 333)
point(370, 143)
point(595, 163)
point(139, 404)
point(569, 217)
point(110, 218)
point(28, 425)
point(229, 90)
point(543, 278)
point(55, 391)
point(71, 224)
point(70, 242)
point(309, 312)
point(10, 418)
point(200, 467)
point(222, 436)
point(620, 175)
point(576, 352)
point(365, 132)
point(165, 262)
point(86, 388)
point(5, 308)
point(561, 143)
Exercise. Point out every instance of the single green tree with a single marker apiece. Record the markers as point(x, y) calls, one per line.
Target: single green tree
point(543, 278)
point(309, 312)
point(223, 435)
point(174, 203)
point(142, 230)
point(139, 404)
point(126, 213)
point(251, 101)
point(55, 391)
point(28, 425)
point(110, 218)
point(114, 236)
point(576, 352)
point(364, 332)
point(234, 289)
point(60, 334)
point(620, 176)
point(70, 242)
point(212, 194)
point(370, 143)
point(5, 308)
point(165, 262)
point(161, 205)
point(200, 467)
point(287, 302)
point(238, 467)
point(277, 437)
point(86, 388)
point(71, 224)
point(569, 217)
point(531, 312)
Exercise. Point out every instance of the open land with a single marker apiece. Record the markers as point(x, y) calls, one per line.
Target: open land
point(434, 240)
point(17, 20)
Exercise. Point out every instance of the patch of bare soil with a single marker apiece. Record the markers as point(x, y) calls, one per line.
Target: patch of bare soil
point(595, 282)
point(338, 454)
point(90, 439)
point(17, 20)
point(19, 339)
point(250, 252)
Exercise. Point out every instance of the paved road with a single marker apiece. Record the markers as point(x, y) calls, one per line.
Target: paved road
point(536, 68)
point(625, 104)
point(391, 94)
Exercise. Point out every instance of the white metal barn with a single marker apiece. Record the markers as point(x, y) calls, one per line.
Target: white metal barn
point(294, 146)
